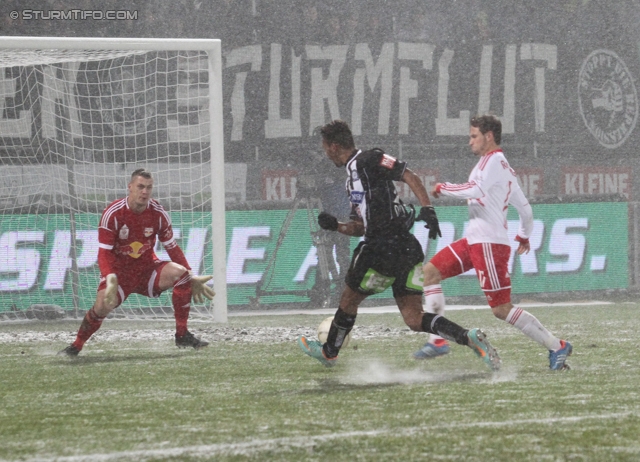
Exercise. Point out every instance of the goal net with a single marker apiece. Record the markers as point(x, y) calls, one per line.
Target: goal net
point(77, 117)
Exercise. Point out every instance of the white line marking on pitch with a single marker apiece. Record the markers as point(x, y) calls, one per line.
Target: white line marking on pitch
point(255, 446)
point(394, 309)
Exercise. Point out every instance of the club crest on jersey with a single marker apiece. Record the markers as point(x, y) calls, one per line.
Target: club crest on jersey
point(124, 232)
point(387, 161)
point(148, 232)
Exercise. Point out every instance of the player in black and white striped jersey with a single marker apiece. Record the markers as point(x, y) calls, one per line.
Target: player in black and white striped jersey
point(389, 255)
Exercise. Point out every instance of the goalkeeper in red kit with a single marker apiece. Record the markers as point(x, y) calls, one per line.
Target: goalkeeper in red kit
point(128, 264)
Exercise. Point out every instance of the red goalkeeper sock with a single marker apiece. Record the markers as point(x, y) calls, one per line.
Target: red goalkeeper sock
point(90, 324)
point(182, 302)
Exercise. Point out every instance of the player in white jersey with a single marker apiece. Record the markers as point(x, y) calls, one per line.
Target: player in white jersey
point(491, 188)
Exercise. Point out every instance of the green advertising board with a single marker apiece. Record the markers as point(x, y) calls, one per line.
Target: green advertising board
point(574, 247)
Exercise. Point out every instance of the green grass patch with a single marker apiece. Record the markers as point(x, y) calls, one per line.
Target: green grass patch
point(143, 399)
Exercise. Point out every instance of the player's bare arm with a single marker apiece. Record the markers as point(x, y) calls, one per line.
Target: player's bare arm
point(331, 223)
point(416, 185)
point(427, 212)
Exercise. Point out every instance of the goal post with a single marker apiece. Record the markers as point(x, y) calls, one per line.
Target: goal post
point(77, 116)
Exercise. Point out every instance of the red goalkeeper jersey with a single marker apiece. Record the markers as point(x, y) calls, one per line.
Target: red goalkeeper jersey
point(126, 239)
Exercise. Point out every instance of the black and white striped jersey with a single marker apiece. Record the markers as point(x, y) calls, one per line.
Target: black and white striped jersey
point(373, 195)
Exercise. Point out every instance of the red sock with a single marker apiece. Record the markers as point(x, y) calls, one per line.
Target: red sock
point(90, 324)
point(182, 302)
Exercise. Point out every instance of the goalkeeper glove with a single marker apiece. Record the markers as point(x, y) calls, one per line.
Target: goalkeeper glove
point(428, 215)
point(327, 221)
point(199, 290)
point(111, 292)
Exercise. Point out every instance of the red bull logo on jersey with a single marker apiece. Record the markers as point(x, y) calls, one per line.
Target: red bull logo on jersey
point(134, 250)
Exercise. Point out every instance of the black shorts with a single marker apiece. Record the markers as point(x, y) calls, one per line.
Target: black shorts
point(380, 263)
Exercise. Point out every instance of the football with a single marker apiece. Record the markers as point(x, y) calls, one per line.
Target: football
point(323, 331)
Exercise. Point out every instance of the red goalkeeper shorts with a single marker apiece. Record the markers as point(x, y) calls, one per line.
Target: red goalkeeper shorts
point(138, 279)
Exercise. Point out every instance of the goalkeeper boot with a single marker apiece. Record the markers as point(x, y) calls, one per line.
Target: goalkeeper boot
point(558, 358)
point(432, 350)
point(314, 349)
point(70, 351)
point(480, 345)
point(190, 340)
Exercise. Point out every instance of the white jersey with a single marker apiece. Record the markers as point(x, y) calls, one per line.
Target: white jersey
point(491, 188)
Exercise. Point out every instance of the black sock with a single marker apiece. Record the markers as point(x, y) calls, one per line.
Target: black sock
point(439, 325)
point(340, 328)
